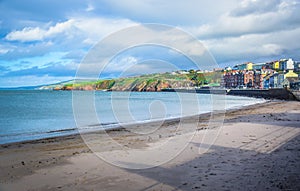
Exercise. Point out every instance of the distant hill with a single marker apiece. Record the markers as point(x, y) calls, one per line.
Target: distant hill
point(21, 88)
point(149, 82)
point(37, 87)
point(62, 84)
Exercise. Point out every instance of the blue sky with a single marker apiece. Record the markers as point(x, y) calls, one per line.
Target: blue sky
point(44, 41)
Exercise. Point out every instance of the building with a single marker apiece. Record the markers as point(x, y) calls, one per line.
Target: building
point(227, 79)
point(271, 81)
point(257, 79)
point(182, 72)
point(289, 78)
point(245, 66)
point(290, 64)
point(276, 65)
point(258, 66)
point(276, 80)
point(296, 66)
point(248, 79)
point(266, 81)
point(280, 80)
point(233, 79)
point(218, 69)
point(262, 75)
point(268, 66)
point(230, 80)
point(240, 79)
point(227, 68)
point(295, 85)
point(286, 64)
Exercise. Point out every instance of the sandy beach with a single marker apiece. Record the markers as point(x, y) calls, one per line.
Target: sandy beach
point(257, 148)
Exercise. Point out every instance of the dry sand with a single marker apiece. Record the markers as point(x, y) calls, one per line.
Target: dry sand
point(257, 148)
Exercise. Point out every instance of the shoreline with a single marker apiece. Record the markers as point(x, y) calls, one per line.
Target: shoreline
point(256, 149)
point(120, 127)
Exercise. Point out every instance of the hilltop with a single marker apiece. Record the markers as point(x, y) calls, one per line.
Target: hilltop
point(149, 82)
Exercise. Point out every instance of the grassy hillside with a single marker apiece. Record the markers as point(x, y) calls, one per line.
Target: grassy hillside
point(149, 82)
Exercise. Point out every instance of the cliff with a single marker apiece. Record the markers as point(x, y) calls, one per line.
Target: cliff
point(149, 82)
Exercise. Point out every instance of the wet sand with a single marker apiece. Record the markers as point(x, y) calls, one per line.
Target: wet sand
point(257, 148)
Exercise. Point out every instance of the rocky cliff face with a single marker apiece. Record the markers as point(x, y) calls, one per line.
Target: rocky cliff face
point(149, 85)
point(129, 85)
point(106, 84)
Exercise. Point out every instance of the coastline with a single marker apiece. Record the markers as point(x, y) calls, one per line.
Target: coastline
point(259, 134)
point(119, 127)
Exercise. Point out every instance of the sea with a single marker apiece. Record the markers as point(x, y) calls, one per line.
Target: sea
point(36, 114)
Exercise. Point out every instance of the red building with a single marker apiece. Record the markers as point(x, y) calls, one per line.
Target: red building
point(249, 79)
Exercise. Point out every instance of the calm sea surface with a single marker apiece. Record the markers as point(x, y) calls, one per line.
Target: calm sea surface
point(33, 114)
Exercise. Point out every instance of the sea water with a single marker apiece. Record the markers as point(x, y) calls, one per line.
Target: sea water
point(35, 114)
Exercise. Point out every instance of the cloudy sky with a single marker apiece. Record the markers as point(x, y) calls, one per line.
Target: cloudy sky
point(44, 41)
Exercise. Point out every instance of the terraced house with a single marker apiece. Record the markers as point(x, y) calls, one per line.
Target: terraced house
point(276, 74)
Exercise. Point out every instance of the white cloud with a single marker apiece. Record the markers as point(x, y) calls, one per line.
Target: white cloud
point(36, 34)
point(121, 64)
point(4, 50)
point(59, 28)
point(272, 49)
point(247, 7)
point(27, 34)
point(90, 28)
point(149, 66)
point(176, 12)
point(277, 16)
point(253, 46)
point(93, 29)
point(253, 30)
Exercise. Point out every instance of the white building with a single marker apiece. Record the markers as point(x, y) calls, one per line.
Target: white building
point(290, 64)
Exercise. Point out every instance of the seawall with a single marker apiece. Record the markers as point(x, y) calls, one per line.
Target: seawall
point(279, 93)
point(296, 93)
point(200, 91)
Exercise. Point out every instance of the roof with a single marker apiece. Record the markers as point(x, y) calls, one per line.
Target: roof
point(291, 74)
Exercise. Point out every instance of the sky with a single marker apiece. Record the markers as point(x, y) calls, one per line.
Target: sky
point(43, 42)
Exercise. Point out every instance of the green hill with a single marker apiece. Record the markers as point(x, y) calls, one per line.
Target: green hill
point(149, 82)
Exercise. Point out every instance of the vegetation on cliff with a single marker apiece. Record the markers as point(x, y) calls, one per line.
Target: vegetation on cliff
point(149, 82)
